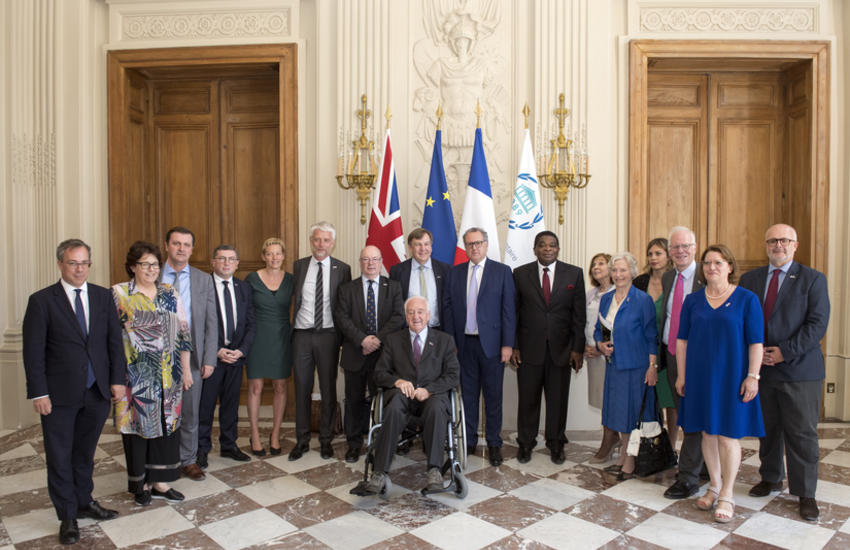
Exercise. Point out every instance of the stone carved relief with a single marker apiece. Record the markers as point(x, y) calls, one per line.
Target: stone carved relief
point(206, 25)
point(744, 19)
point(458, 65)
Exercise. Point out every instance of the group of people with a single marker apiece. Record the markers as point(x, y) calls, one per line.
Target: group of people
point(168, 346)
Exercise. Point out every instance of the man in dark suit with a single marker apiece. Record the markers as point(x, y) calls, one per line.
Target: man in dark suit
point(74, 362)
point(367, 310)
point(422, 275)
point(315, 339)
point(198, 295)
point(550, 311)
point(236, 328)
point(677, 284)
point(480, 312)
point(796, 311)
point(420, 366)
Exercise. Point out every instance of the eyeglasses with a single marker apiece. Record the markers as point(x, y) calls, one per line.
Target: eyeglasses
point(783, 241)
point(75, 265)
point(226, 259)
point(682, 246)
point(149, 265)
point(474, 244)
point(370, 260)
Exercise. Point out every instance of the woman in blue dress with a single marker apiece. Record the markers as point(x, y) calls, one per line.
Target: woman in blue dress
point(719, 352)
point(626, 334)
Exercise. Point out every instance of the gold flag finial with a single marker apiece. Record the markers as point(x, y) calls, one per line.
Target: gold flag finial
point(439, 115)
point(388, 115)
point(478, 113)
point(525, 112)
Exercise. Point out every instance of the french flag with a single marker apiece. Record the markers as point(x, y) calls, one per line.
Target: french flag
point(385, 230)
point(478, 208)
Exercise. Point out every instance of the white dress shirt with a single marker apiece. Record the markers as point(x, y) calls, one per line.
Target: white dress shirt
point(219, 289)
point(305, 316)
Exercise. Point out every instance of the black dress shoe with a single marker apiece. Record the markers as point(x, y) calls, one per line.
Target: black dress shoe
point(202, 461)
point(764, 488)
point(171, 495)
point(809, 509)
point(557, 455)
point(326, 450)
point(623, 476)
point(681, 489)
point(69, 533)
point(96, 511)
point(299, 450)
point(235, 454)
point(523, 455)
point(353, 454)
point(143, 498)
point(495, 455)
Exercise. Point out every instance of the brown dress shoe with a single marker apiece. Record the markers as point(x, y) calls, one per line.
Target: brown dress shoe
point(193, 472)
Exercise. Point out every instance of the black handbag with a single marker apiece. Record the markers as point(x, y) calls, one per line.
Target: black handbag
point(655, 453)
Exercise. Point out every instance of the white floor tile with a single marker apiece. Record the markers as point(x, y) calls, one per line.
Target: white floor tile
point(16, 483)
point(364, 503)
point(460, 531)
point(153, 524)
point(551, 493)
point(846, 527)
point(19, 452)
point(648, 495)
point(785, 533)
point(835, 493)
point(539, 465)
point(110, 484)
point(477, 493)
point(830, 443)
point(839, 458)
point(741, 494)
point(672, 532)
point(749, 443)
point(195, 489)
point(247, 529)
point(353, 531)
point(266, 493)
point(32, 525)
point(108, 438)
point(566, 532)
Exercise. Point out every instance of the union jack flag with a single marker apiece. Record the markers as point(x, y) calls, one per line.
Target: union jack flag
point(385, 230)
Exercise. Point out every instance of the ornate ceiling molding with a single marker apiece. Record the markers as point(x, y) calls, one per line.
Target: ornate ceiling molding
point(754, 18)
point(242, 24)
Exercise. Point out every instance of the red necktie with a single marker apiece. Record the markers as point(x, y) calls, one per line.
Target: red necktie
point(678, 298)
point(547, 287)
point(770, 299)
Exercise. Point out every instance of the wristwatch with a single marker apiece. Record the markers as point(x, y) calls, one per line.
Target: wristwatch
point(753, 375)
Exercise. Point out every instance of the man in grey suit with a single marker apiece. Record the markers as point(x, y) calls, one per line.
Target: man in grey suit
point(796, 313)
point(198, 295)
point(677, 284)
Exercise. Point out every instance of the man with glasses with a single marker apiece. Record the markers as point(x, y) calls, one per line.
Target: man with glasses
point(236, 328)
point(480, 312)
point(367, 310)
point(198, 295)
point(74, 363)
point(796, 313)
point(676, 284)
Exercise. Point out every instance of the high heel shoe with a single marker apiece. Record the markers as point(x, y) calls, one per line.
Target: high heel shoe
point(255, 452)
point(599, 457)
point(274, 450)
point(623, 476)
point(613, 469)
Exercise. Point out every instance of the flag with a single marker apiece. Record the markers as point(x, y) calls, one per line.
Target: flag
point(385, 230)
point(526, 212)
point(478, 207)
point(438, 217)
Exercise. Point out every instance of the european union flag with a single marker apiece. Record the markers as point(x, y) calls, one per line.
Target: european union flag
point(438, 217)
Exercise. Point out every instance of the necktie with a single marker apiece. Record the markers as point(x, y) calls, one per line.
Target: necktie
point(547, 286)
point(678, 298)
point(229, 321)
point(423, 288)
point(472, 303)
point(371, 316)
point(319, 310)
point(176, 283)
point(81, 319)
point(417, 350)
point(770, 299)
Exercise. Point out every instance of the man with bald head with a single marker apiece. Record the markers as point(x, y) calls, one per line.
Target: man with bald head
point(367, 310)
point(796, 311)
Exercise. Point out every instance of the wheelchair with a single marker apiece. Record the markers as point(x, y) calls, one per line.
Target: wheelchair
point(455, 446)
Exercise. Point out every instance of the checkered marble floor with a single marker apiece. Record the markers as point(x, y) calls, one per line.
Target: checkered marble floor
point(274, 503)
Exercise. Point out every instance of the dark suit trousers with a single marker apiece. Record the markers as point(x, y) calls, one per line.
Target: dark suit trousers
point(690, 455)
point(356, 403)
point(479, 374)
point(790, 411)
point(223, 384)
point(532, 381)
point(435, 415)
point(315, 351)
point(70, 438)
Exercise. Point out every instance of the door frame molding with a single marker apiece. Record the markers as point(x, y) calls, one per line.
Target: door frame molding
point(643, 52)
point(284, 56)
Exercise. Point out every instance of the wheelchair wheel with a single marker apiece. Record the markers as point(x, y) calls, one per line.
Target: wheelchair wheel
point(460, 430)
point(460, 483)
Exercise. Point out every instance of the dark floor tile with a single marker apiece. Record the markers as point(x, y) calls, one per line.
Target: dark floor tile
point(311, 509)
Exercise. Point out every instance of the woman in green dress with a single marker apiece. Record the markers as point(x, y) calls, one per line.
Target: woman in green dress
point(271, 355)
point(657, 263)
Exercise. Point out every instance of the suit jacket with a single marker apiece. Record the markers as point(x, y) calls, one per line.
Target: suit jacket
point(57, 355)
point(635, 331)
point(204, 319)
point(667, 281)
point(340, 273)
point(561, 323)
point(438, 370)
point(246, 328)
point(797, 323)
point(350, 318)
point(401, 273)
point(495, 309)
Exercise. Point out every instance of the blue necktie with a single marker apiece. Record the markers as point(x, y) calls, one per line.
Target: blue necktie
point(81, 319)
point(230, 323)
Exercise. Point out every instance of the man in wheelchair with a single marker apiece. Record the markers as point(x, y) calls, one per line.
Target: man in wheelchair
point(417, 369)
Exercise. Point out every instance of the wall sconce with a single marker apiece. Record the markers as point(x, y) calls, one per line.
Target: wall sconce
point(360, 166)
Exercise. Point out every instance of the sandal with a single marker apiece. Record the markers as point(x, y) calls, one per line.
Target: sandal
point(613, 468)
point(705, 505)
point(724, 515)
